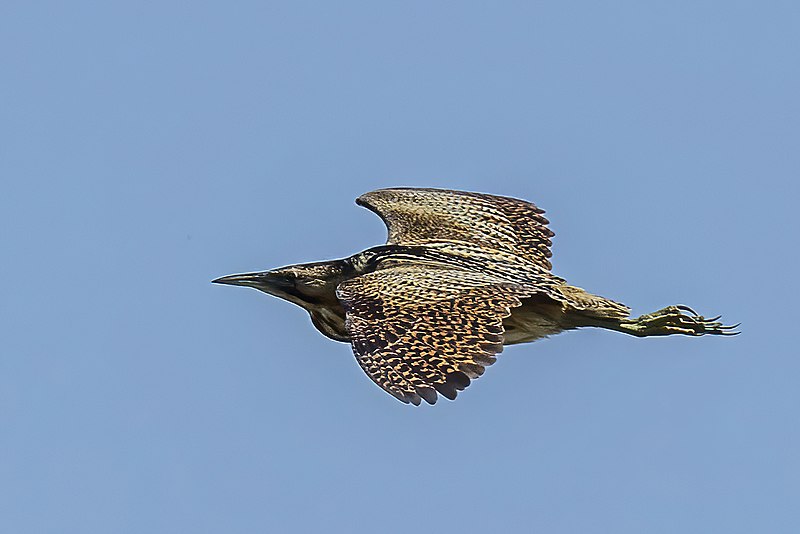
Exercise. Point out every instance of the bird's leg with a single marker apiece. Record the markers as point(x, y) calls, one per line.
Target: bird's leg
point(674, 320)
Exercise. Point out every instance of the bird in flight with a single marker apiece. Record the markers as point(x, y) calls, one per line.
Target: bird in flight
point(461, 275)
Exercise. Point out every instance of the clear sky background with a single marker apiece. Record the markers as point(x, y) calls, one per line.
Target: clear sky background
point(149, 147)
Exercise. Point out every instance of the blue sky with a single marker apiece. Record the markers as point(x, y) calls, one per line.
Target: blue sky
point(147, 148)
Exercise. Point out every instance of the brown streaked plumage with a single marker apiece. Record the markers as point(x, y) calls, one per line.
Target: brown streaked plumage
point(461, 275)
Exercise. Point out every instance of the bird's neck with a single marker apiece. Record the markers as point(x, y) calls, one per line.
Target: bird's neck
point(330, 321)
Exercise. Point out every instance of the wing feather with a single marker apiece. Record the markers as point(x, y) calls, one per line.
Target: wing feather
point(421, 330)
point(423, 216)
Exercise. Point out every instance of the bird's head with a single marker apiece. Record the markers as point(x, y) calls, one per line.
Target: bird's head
point(306, 284)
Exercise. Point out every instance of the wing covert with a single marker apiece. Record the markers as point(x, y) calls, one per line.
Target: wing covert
point(419, 216)
point(419, 330)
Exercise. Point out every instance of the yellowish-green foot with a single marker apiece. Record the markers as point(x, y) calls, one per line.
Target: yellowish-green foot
point(676, 320)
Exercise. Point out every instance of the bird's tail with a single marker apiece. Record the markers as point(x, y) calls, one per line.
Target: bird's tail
point(593, 307)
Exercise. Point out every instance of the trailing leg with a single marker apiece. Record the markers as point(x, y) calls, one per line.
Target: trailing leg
point(673, 320)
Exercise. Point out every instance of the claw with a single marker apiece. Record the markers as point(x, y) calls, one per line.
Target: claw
point(679, 319)
point(726, 330)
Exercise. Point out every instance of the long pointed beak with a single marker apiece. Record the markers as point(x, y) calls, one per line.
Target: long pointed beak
point(265, 281)
point(246, 279)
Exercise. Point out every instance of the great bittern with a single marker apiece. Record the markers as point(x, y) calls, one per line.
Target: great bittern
point(461, 275)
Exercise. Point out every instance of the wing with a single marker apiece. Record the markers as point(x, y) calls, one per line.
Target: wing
point(419, 330)
point(419, 216)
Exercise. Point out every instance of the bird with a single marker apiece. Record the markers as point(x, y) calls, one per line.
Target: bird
point(462, 274)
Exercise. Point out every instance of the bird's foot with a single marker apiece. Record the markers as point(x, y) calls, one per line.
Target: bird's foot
point(676, 320)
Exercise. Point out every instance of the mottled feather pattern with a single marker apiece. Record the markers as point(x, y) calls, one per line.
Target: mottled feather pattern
point(593, 305)
point(418, 331)
point(511, 269)
point(420, 216)
point(462, 274)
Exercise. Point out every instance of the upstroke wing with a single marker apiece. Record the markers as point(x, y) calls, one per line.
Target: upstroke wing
point(422, 216)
